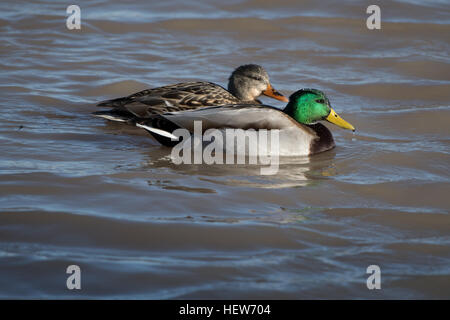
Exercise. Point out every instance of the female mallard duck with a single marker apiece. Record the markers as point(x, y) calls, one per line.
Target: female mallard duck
point(245, 84)
point(300, 133)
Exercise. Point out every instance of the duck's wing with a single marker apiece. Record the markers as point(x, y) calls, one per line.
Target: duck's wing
point(176, 97)
point(238, 116)
point(241, 116)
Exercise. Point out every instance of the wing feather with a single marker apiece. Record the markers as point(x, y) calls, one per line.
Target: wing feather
point(240, 116)
point(180, 96)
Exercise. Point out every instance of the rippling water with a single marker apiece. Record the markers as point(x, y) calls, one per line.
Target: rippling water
point(78, 190)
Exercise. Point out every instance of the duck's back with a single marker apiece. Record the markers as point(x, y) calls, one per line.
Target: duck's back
point(170, 98)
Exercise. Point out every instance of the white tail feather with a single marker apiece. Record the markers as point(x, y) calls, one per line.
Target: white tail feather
point(109, 117)
point(158, 131)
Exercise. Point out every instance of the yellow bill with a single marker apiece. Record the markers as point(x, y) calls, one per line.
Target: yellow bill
point(335, 119)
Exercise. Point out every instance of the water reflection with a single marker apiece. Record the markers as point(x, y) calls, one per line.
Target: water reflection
point(293, 172)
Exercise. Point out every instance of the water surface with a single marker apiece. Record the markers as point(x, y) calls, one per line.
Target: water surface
point(78, 190)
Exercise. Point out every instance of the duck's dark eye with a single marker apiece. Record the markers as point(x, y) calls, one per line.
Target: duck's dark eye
point(320, 101)
point(256, 78)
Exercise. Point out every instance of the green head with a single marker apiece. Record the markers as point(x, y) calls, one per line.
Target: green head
point(309, 106)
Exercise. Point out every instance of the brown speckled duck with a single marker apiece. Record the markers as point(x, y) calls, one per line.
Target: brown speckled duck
point(245, 85)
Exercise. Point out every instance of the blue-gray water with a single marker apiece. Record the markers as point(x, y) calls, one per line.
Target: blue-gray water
point(75, 189)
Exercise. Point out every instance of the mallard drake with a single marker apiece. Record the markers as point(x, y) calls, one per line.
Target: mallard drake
point(300, 131)
point(245, 85)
